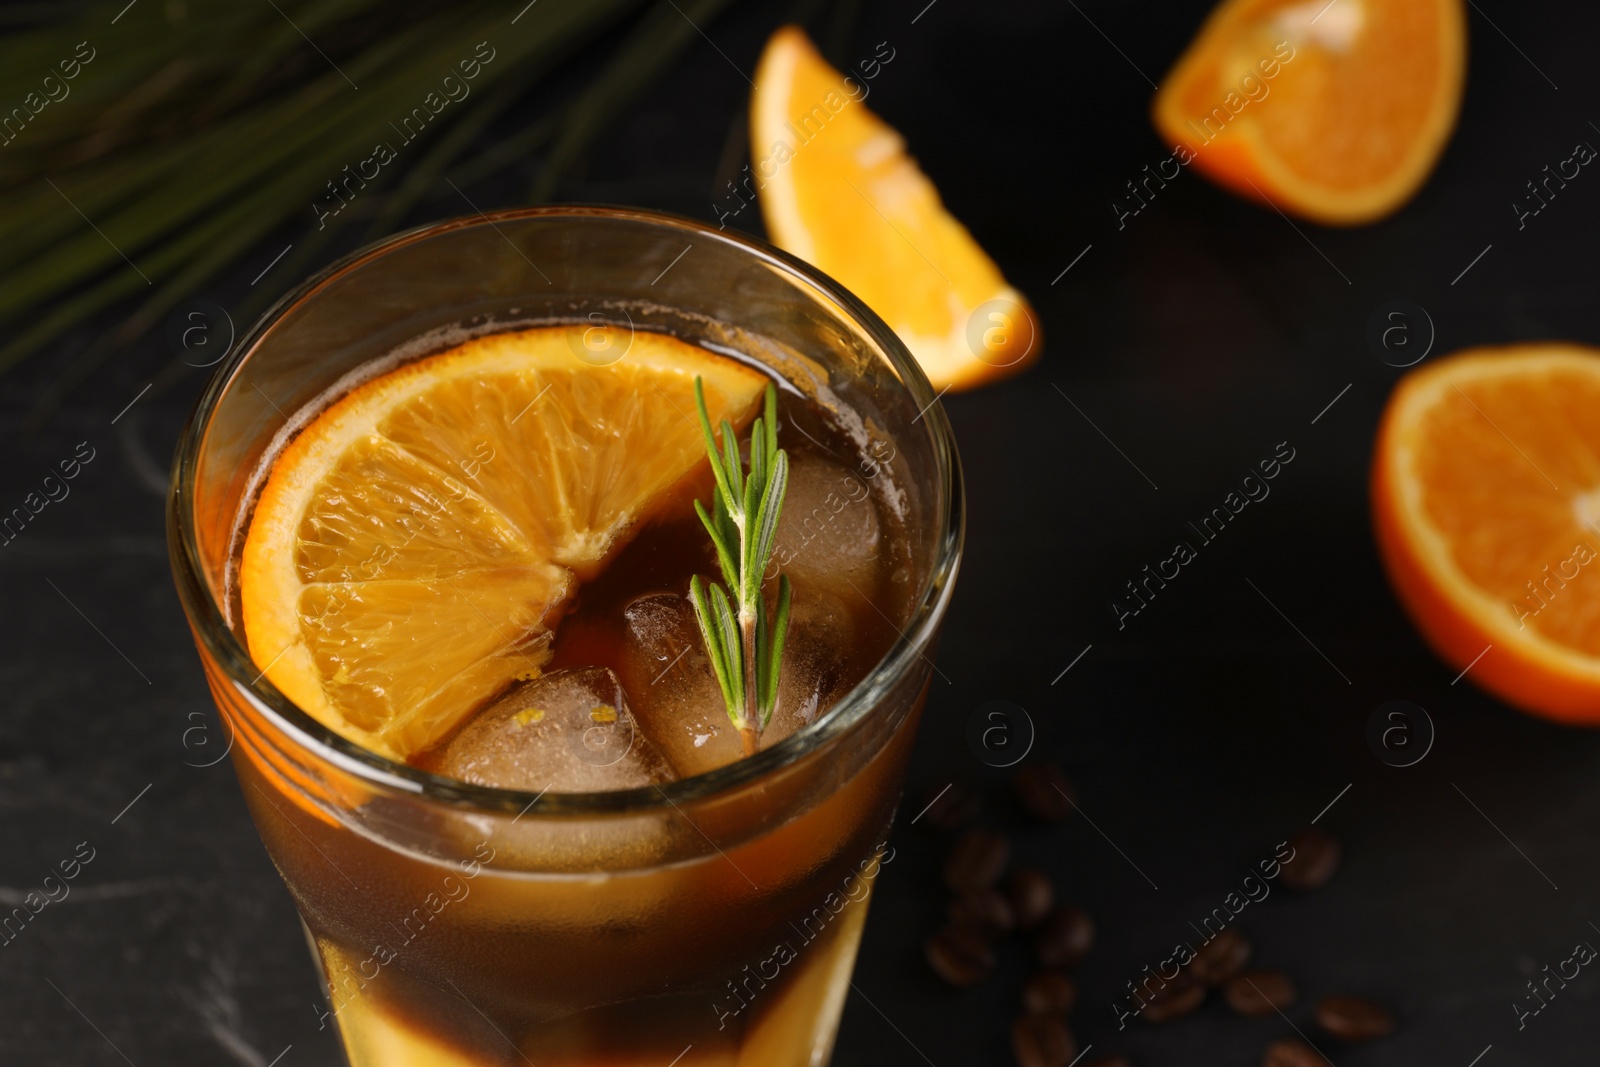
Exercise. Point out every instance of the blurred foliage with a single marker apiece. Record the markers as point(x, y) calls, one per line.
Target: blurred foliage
point(198, 127)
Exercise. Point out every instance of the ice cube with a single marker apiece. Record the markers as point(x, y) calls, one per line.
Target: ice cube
point(828, 535)
point(678, 701)
point(811, 678)
point(676, 697)
point(569, 731)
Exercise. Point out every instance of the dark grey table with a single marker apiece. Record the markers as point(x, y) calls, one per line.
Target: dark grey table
point(1182, 347)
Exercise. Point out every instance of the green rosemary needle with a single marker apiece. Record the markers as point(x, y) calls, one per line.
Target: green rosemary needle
point(744, 643)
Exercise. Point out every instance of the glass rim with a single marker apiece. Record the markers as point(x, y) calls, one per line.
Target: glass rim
point(207, 618)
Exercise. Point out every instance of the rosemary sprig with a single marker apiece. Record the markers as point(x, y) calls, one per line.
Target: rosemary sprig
point(744, 643)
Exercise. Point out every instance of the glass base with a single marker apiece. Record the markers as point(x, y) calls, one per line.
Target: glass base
point(789, 1022)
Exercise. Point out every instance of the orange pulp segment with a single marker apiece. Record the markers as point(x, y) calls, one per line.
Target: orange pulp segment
point(1335, 111)
point(839, 191)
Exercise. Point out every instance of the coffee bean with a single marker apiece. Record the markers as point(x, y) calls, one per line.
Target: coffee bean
point(1042, 1041)
point(985, 909)
point(1044, 792)
point(1354, 1018)
point(1315, 859)
point(1174, 1000)
point(1292, 1053)
point(1065, 938)
point(1221, 958)
point(950, 808)
point(1259, 992)
point(1031, 895)
point(976, 861)
point(1049, 993)
point(960, 954)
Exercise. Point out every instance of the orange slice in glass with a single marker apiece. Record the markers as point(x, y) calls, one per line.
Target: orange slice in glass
point(1335, 110)
point(838, 190)
point(1486, 500)
point(414, 545)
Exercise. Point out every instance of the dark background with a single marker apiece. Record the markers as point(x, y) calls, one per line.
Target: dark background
point(1196, 338)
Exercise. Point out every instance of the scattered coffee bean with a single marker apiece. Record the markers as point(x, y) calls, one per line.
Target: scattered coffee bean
point(1174, 1000)
point(1065, 938)
point(950, 808)
point(984, 908)
point(1042, 1041)
point(1354, 1018)
point(1259, 992)
point(1109, 1061)
point(1049, 993)
point(1316, 858)
point(1044, 792)
point(1292, 1053)
point(960, 954)
point(977, 861)
point(1032, 896)
point(1221, 958)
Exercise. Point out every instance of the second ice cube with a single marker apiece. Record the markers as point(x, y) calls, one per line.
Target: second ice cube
point(569, 731)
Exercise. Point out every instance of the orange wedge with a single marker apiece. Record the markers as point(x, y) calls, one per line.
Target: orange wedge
point(1335, 110)
point(417, 541)
point(1486, 500)
point(838, 190)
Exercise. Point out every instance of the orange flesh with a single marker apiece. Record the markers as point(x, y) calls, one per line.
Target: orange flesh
point(1336, 111)
point(838, 189)
point(1486, 502)
point(1487, 454)
point(855, 184)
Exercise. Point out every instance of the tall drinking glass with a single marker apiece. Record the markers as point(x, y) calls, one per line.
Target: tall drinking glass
point(717, 916)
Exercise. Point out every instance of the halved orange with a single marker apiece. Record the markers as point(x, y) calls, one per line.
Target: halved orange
point(417, 541)
point(838, 190)
point(1335, 110)
point(1486, 501)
